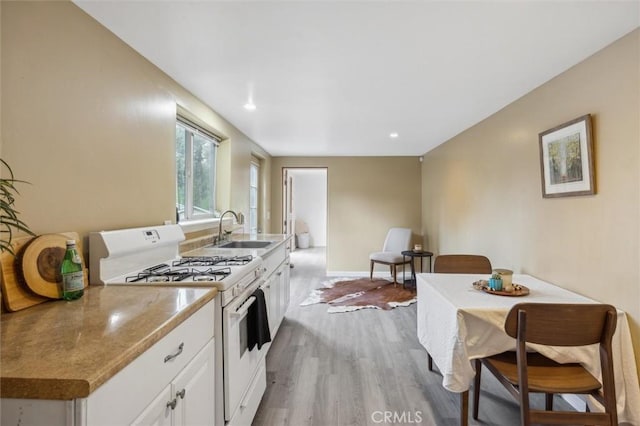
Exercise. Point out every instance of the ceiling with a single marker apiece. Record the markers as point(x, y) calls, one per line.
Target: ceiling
point(336, 78)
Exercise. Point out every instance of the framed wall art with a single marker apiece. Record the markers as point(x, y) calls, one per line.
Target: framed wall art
point(566, 159)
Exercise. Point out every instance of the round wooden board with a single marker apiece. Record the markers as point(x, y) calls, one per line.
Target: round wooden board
point(15, 293)
point(41, 264)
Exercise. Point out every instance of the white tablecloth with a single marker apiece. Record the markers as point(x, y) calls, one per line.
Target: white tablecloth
point(457, 323)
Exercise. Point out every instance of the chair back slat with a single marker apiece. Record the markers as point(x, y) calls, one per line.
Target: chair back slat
point(564, 324)
point(462, 264)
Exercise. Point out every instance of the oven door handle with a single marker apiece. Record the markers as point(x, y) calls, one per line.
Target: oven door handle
point(242, 309)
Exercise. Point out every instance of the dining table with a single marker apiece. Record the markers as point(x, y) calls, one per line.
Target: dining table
point(458, 323)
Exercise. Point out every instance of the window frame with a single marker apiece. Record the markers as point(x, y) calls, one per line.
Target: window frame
point(191, 131)
point(255, 164)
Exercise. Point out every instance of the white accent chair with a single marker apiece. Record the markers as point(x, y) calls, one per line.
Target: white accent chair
point(397, 241)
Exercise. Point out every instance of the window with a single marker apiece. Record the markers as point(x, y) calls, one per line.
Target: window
point(195, 171)
point(253, 195)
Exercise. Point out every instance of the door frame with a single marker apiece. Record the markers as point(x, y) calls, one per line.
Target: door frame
point(288, 206)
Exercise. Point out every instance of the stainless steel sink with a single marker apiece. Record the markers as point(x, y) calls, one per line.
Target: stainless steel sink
point(247, 244)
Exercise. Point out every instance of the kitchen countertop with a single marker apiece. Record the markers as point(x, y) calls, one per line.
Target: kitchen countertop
point(65, 350)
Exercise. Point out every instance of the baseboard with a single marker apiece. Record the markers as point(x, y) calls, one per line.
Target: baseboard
point(349, 274)
point(380, 274)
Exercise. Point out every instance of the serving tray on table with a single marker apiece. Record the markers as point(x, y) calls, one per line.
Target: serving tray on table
point(518, 289)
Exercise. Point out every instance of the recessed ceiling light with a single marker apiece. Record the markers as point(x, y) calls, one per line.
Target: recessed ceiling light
point(393, 135)
point(249, 106)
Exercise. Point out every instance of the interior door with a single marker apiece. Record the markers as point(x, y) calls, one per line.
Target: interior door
point(288, 214)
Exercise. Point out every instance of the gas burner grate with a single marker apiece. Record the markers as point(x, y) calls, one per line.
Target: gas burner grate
point(235, 260)
point(210, 274)
point(163, 273)
point(195, 261)
point(160, 273)
point(212, 260)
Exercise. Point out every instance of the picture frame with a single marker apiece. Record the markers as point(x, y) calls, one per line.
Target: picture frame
point(566, 159)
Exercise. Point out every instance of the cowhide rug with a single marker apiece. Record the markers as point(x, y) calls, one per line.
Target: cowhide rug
point(346, 295)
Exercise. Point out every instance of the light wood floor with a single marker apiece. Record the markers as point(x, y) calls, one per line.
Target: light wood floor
point(350, 368)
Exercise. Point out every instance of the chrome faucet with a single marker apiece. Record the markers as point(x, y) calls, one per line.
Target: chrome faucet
point(220, 224)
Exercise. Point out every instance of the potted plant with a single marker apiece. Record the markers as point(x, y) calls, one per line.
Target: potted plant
point(495, 282)
point(10, 222)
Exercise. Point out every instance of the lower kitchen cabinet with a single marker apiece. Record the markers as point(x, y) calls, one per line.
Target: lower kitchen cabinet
point(195, 388)
point(276, 286)
point(171, 383)
point(274, 295)
point(187, 400)
point(286, 286)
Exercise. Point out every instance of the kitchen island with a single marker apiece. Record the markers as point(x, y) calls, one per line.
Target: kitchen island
point(76, 351)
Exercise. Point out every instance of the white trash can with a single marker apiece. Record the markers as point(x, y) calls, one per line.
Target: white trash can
point(303, 240)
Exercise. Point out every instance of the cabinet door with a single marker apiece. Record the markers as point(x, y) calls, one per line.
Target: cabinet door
point(270, 289)
point(286, 286)
point(158, 413)
point(194, 390)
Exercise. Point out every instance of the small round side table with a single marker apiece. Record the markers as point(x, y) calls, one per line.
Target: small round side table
point(412, 254)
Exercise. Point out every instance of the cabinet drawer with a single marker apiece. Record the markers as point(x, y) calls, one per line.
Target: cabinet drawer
point(122, 397)
point(274, 259)
point(250, 402)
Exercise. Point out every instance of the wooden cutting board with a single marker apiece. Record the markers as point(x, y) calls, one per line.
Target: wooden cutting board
point(38, 260)
point(15, 293)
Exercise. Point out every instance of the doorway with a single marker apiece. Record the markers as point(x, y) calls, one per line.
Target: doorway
point(304, 195)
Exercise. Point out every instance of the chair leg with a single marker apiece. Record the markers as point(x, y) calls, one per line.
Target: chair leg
point(429, 362)
point(464, 408)
point(525, 418)
point(548, 401)
point(476, 389)
point(395, 275)
point(371, 271)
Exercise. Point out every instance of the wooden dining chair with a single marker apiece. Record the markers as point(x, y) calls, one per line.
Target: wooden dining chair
point(459, 264)
point(462, 264)
point(523, 372)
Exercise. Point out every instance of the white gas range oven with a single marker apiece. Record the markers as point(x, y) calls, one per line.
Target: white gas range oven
point(150, 256)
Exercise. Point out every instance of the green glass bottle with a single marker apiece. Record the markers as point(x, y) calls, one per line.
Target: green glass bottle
point(72, 274)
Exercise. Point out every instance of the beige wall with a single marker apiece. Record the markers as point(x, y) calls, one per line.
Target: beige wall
point(481, 191)
point(366, 197)
point(91, 125)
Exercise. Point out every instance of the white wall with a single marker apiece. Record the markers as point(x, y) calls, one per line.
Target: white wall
point(310, 202)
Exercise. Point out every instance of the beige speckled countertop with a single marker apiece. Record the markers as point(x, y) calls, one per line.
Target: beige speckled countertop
point(65, 350)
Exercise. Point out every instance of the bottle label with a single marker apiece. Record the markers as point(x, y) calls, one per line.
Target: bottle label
point(73, 281)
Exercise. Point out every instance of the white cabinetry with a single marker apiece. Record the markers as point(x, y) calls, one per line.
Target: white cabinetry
point(286, 285)
point(275, 293)
point(178, 369)
point(276, 286)
point(187, 400)
point(195, 389)
point(171, 383)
